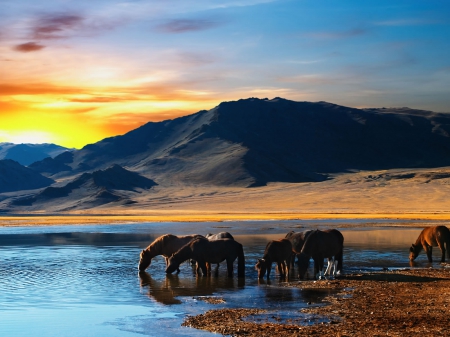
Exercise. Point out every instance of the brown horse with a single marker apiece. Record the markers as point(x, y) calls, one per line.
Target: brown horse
point(297, 240)
point(204, 251)
point(164, 245)
point(319, 245)
point(430, 237)
point(278, 251)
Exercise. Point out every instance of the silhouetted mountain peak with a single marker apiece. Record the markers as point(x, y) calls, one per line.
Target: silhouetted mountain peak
point(15, 177)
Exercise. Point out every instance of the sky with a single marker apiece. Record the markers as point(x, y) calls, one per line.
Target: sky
point(75, 72)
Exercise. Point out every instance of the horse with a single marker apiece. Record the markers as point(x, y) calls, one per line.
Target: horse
point(297, 240)
point(278, 251)
point(204, 251)
point(164, 245)
point(221, 235)
point(428, 238)
point(319, 245)
point(213, 237)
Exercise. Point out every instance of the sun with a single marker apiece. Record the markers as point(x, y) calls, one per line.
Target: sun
point(31, 137)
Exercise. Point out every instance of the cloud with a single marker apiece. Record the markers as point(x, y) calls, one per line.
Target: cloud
point(28, 47)
point(177, 26)
point(56, 26)
point(407, 22)
point(354, 32)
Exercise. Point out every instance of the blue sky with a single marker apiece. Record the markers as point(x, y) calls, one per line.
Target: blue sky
point(114, 65)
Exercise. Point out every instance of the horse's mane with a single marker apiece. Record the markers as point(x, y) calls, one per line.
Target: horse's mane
point(308, 240)
point(158, 244)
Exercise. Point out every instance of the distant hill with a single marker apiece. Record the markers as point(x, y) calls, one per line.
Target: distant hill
point(26, 154)
point(92, 189)
point(252, 142)
point(15, 177)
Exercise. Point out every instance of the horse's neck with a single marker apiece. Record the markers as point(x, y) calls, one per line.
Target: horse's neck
point(419, 240)
point(154, 249)
point(183, 254)
point(312, 243)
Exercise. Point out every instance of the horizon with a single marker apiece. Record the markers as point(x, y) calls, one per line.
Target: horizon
point(109, 67)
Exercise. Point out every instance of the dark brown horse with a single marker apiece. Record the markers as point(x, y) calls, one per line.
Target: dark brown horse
point(429, 238)
point(164, 245)
point(278, 251)
point(204, 251)
point(297, 240)
point(218, 236)
point(319, 245)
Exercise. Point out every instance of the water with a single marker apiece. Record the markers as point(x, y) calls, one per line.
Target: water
point(83, 280)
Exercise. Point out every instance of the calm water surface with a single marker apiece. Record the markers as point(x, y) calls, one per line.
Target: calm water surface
point(83, 280)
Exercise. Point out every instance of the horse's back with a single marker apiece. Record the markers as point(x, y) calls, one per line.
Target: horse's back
point(277, 249)
point(326, 243)
point(297, 239)
point(221, 235)
point(435, 234)
point(212, 251)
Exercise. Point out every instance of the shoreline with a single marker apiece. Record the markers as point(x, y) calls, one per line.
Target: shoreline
point(13, 220)
point(395, 303)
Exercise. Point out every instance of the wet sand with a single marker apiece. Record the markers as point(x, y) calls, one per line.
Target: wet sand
point(398, 303)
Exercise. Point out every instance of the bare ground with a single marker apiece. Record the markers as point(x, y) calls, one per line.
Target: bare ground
point(392, 303)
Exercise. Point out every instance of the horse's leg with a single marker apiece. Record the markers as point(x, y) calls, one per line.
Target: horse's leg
point(329, 266)
point(202, 265)
point(281, 269)
point(442, 247)
point(167, 264)
point(429, 251)
point(269, 267)
point(320, 267)
point(288, 265)
point(316, 268)
point(230, 267)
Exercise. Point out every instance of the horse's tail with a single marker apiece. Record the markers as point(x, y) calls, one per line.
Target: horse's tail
point(241, 261)
point(339, 257)
point(447, 243)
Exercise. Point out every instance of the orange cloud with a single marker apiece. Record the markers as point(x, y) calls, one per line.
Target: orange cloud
point(28, 47)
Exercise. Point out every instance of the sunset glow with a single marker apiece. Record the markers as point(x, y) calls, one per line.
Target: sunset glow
point(75, 72)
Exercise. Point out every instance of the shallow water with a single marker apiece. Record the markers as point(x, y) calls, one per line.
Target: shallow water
point(83, 280)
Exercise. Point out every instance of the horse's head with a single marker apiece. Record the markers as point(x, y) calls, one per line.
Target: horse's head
point(261, 267)
point(172, 265)
point(145, 260)
point(303, 263)
point(414, 251)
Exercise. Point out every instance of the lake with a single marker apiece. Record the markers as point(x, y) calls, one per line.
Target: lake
point(83, 280)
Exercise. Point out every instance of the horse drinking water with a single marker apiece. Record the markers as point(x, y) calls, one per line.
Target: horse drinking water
point(204, 251)
point(278, 251)
point(319, 245)
point(429, 238)
point(164, 245)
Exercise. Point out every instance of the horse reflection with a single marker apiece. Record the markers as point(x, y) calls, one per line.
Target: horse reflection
point(167, 290)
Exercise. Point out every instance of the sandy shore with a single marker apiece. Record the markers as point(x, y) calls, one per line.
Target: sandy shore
point(106, 218)
point(398, 303)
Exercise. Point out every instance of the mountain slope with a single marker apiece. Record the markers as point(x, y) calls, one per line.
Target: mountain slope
point(15, 177)
point(252, 142)
point(91, 189)
point(25, 154)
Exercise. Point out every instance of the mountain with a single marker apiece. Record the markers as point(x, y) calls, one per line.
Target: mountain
point(115, 184)
point(25, 154)
point(15, 177)
point(252, 142)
